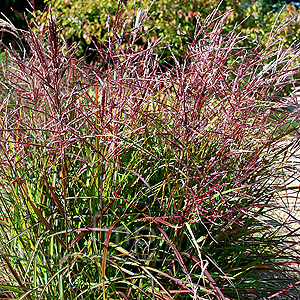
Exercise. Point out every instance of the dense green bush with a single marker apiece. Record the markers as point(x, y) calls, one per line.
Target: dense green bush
point(172, 21)
point(83, 19)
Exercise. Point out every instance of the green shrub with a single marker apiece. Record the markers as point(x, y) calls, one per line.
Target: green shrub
point(171, 21)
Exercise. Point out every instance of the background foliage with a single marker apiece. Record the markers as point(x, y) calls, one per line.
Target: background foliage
point(172, 20)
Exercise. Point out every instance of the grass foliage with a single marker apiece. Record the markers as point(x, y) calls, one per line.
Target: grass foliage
point(124, 180)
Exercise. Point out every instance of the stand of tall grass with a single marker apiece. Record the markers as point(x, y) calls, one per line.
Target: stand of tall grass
point(124, 180)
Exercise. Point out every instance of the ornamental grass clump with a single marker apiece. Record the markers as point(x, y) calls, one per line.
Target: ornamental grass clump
point(126, 179)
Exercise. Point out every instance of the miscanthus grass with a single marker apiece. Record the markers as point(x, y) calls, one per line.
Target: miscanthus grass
point(127, 179)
